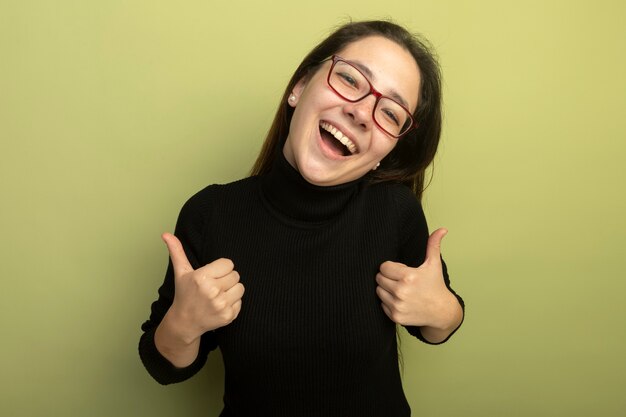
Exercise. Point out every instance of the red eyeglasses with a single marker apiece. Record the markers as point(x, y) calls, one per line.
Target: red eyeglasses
point(349, 83)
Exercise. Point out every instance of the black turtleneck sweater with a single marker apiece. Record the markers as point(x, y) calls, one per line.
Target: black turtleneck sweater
point(312, 338)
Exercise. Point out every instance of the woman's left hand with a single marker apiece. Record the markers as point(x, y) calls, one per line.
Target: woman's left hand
point(419, 296)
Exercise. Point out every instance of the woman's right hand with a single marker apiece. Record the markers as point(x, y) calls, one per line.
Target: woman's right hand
point(206, 298)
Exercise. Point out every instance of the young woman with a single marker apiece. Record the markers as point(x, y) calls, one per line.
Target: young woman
point(327, 238)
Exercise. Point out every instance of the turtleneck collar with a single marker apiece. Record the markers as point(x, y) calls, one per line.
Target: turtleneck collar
point(289, 194)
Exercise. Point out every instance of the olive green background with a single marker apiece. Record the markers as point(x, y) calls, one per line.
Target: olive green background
point(112, 113)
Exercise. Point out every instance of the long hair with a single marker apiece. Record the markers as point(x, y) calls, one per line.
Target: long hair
point(415, 151)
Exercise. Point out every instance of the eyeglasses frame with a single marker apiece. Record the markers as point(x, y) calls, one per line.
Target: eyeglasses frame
point(373, 91)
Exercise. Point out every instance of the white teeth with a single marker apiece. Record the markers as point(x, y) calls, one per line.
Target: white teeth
point(339, 136)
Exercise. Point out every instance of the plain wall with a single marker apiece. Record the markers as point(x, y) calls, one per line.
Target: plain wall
point(112, 113)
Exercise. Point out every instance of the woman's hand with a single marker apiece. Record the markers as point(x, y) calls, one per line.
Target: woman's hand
point(206, 298)
point(419, 296)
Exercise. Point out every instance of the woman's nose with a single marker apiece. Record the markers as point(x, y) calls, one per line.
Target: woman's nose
point(361, 111)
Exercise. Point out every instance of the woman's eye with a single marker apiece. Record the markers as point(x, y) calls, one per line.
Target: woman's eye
point(348, 79)
point(392, 116)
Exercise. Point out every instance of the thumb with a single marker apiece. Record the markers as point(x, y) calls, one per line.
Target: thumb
point(177, 254)
point(433, 248)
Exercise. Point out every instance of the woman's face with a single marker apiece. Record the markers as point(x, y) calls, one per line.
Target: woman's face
point(317, 154)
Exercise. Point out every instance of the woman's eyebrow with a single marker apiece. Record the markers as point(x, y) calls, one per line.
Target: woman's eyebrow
point(370, 75)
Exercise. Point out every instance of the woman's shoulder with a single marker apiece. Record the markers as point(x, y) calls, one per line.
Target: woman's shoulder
point(400, 205)
point(397, 194)
point(215, 198)
point(213, 193)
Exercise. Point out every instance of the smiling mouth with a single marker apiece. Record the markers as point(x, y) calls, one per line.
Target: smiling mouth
point(337, 140)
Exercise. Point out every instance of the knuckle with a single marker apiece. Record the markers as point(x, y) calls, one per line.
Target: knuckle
point(212, 292)
point(410, 278)
point(395, 316)
point(398, 308)
point(219, 305)
point(195, 276)
point(401, 293)
point(226, 315)
point(227, 263)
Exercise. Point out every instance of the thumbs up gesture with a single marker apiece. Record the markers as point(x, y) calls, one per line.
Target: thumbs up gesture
point(206, 298)
point(418, 296)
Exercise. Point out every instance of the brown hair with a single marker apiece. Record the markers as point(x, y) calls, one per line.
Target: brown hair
point(415, 151)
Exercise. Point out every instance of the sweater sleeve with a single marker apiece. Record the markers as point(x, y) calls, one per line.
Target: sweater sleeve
point(190, 230)
point(413, 238)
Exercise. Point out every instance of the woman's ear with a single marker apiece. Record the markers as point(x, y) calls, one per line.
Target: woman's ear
point(296, 92)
